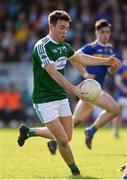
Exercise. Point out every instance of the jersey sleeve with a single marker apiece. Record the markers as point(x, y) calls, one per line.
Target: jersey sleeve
point(87, 49)
point(43, 55)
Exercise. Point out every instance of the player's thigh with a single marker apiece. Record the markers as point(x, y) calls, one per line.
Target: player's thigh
point(106, 101)
point(65, 116)
point(68, 125)
point(82, 110)
point(47, 112)
point(57, 130)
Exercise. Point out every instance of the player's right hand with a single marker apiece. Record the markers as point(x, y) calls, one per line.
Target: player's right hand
point(77, 92)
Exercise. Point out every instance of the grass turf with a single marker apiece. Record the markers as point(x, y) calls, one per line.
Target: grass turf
point(33, 160)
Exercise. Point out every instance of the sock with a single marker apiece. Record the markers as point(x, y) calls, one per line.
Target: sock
point(93, 129)
point(54, 143)
point(31, 133)
point(73, 167)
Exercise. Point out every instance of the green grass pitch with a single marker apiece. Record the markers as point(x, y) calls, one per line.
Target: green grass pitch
point(33, 160)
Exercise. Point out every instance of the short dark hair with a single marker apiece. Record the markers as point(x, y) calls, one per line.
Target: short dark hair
point(102, 23)
point(58, 14)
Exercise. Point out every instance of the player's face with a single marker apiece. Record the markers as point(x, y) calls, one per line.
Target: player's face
point(103, 35)
point(59, 30)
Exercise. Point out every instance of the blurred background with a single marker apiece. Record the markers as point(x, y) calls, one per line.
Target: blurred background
point(22, 23)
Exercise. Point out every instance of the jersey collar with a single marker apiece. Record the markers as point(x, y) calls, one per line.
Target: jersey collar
point(104, 45)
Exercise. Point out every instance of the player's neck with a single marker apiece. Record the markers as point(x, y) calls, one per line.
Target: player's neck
point(103, 43)
point(52, 39)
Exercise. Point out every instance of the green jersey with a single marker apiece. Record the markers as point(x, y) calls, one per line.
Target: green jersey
point(47, 51)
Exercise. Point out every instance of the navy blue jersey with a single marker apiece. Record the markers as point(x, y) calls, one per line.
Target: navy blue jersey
point(122, 72)
point(98, 50)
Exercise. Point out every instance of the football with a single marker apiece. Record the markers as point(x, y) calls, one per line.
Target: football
point(92, 87)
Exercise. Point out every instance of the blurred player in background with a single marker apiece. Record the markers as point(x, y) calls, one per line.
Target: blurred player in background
point(99, 48)
point(49, 58)
point(121, 84)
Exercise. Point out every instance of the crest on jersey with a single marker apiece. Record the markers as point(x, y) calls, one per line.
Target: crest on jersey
point(43, 56)
point(60, 63)
point(111, 51)
point(100, 50)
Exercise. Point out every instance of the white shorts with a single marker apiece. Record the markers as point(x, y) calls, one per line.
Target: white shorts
point(48, 112)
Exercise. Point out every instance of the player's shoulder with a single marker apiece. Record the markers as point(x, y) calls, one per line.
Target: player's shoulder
point(87, 48)
point(41, 44)
point(92, 44)
point(42, 41)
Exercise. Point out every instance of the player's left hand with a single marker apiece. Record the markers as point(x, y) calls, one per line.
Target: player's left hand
point(112, 69)
point(113, 61)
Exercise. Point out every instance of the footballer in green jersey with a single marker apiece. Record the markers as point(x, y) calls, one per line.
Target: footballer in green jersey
point(48, 51)
point(50, 101)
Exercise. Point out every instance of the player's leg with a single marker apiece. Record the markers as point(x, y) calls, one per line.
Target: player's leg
point(46, 112)
point(68, 126)
point(112, 109)
point(57, 128)
point(124, 169)
point(26, 132)
point(57, 131)
point(81, 112)
point(116, 124)
point(122, 101)
point(66, 120)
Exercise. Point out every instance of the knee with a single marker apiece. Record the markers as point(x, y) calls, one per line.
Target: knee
point(69, 137)
point(116, 110)
point(75, 118)
point(79, 118)
point(63, 141)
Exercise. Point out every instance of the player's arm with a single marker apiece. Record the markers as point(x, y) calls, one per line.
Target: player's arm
point(44, 58)
point(82, 70)
point(61, 80)
point(112, 69)
point(58, 77)
point(88, 60)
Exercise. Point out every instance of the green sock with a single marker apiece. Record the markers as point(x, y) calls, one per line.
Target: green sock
point(31, 133)
point(73, 167)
